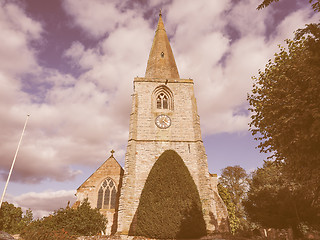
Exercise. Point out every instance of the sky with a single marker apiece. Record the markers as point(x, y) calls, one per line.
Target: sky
point(70, 64)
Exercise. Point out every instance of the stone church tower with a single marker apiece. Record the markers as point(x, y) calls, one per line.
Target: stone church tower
point(164, 116)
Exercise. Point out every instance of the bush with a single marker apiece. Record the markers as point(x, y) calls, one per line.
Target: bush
point(170, 204)
point(67, 224)
point(39, 231)
point(234, 221)
point(12, 219)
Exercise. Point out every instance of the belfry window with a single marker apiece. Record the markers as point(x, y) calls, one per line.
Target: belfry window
point(162, 98)
point(162, 101)
point(107, 195)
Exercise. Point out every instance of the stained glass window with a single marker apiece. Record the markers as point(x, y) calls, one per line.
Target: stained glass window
point(105, 183)
point(107, 195)
point(113, 199)
point(100, 197)
point(106, 198)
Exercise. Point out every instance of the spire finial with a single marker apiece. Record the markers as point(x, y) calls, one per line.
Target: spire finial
point(161, 63)
point(112, 152)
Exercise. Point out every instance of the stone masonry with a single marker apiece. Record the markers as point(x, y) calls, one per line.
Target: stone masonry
point(89, 189)
point(147, 141)
point(160, 93)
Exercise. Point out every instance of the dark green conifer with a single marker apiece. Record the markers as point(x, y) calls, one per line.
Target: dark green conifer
point(170, 204)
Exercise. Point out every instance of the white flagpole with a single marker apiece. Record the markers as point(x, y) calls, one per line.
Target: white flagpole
point(14, 160)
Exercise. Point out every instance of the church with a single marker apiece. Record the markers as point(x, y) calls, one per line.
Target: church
point(164, 117)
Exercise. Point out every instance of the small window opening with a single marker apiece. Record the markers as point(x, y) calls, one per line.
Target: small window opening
point(162, 101)
point(159, 102)
point(162, 54)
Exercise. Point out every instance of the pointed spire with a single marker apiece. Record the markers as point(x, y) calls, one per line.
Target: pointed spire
point(161, 63)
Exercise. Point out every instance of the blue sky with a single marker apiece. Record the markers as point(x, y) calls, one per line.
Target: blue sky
point(71, 64)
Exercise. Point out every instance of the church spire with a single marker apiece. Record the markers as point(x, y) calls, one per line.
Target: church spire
point(161, 63)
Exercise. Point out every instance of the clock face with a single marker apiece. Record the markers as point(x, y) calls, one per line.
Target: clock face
point(163, 121)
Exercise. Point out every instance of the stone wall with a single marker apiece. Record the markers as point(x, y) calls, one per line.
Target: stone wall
point(89, 189)
point(147, 142)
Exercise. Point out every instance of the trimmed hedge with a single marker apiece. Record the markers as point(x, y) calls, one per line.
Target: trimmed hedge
point(170, 204)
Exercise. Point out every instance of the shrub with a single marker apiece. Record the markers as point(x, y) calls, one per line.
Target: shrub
point(170, 204)
point(234, 221)
point(12, 219)
point(39, 231)
point(67, 224)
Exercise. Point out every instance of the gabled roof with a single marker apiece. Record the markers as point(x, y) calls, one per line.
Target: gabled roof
point(161, 63)
point(110, 163)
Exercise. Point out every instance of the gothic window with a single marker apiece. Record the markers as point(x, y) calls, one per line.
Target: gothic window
point(158, 102)
point(162, 101)
point(163, 98)
point(107, 195)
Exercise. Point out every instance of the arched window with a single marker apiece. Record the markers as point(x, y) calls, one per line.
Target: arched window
point(162, 101)
point(163, 97)
point(107, 195)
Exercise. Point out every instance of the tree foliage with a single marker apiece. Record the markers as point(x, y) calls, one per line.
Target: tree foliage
point(170, 204)
point(12, 219)
point(273, 201)
point(286, 109)
point(234, 221)
point(315, 4)
point(235, 180)
point(68, 223)
point(40, 231)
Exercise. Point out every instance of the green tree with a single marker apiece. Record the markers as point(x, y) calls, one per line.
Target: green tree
point(286, 109)
point(11, 218)
point(28, 217)
point(235, 180)
point(170, 204)
point(315, 4)
point(234, 221)
point(67, 222)
point(273, 201)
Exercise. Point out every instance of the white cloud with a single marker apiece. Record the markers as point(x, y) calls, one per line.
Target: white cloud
point(20, 22)
point(221, 51)
point(97, 17)
point(293, 22)
point(76, 121)
point(17, 30)
point(73, 126)
point(43, 203)
point(244, 18)
point(203, 16)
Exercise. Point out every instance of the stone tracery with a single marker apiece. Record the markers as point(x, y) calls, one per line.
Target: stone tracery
point(107, 195)
point(163, 98)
